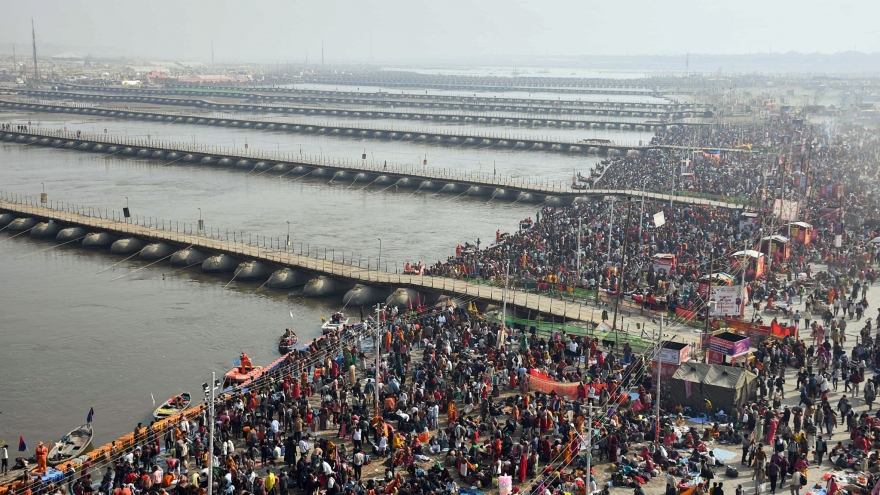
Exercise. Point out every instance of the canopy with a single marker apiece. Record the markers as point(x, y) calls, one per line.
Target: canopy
point(751, 253)
point(726, 387)
point(776, 238)
point(875, 240)
point(803, 225)
point(719, 276)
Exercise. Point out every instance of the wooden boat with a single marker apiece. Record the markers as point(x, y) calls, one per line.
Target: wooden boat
point(72, 445)
point(173, 406)
point(287, 343)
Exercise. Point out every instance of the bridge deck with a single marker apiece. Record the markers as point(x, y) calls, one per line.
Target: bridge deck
point(366, 166)
point(524, 300)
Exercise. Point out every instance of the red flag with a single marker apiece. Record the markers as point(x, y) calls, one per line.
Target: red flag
point(21, 445)
point(775, 328)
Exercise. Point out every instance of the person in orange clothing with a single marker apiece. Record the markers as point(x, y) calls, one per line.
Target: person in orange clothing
point(246, 365)
point(451, 413)
point(41, 453)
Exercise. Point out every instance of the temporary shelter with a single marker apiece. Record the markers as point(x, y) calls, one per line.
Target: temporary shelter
point(725, 387)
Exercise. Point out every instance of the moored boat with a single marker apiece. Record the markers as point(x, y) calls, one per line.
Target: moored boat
point(172, 406)
point(287, 342)
point(72, 445)
point(337, 321)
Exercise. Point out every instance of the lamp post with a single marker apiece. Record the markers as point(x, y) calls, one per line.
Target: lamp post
point(209, 399)
point(622, 266)
point(288, 236)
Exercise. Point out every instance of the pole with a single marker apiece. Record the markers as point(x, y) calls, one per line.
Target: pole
point(589, 440)
point(610, 226)
point(622, 266)
point(504, 307)
point(211, 434)
point(709, 298)
point(657, 400)
point(579, 246)
point(641, 216)
point(376, 385)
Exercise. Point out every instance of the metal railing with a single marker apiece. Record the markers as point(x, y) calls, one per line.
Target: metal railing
point(475, 179)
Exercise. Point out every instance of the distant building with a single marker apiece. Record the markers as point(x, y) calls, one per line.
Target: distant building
point(155, 75)
point(211, 79)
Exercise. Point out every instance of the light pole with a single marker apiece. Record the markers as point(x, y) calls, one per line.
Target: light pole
point(201, 225)
point(322, 153)
point(209, 398)
point(288, 235)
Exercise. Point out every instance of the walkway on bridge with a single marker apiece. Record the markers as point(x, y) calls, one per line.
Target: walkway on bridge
point(417, 172)
point(537, 303)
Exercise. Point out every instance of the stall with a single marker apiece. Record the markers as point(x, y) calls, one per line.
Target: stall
point(750, 219)
point(672, 354)
point(753, 262)
point(776, 247)
point(664, 262)
point(801, 232)
point(727, 348)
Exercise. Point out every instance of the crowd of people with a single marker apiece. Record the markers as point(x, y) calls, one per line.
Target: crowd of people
point(455, 401)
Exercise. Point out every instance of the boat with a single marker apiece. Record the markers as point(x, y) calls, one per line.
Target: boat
point(581, 178)
point(237, 376)
point(72, 445)
point(173, 406)
point(287, 342)
point(336, 322)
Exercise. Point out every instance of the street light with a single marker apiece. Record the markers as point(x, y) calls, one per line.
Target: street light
point(379, 266)
point(288, 235)
point(201, 226)
point(209, 398)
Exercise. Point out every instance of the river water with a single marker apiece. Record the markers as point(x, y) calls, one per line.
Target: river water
point(75, 338)
point(536, 165)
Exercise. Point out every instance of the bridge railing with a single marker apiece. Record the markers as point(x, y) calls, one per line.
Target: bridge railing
point(423, 172)
point(342, 265)
point(277, 93)
point(463, 134)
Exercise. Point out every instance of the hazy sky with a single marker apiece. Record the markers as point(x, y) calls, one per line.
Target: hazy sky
point(418, 30)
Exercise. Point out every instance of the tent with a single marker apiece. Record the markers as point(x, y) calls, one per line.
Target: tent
point(725, 386)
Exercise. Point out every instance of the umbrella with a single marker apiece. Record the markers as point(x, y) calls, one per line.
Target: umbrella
point(875, 240)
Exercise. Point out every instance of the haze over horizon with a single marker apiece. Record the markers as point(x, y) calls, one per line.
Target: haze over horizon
point(395, 31)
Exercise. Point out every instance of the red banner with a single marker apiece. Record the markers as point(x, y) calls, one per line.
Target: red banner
point(546, 385)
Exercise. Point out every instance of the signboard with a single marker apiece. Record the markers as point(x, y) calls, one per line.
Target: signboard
point(726, 301)
point(664, 262)
point(675, 356)
point(659, 219)
point(786, 210)
point(729, 347)
point(713, 357)
point(666, 371)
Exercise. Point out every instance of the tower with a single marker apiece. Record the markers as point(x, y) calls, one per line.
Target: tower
point(34, 36)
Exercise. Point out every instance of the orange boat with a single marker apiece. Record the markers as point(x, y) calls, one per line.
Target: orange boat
point(236, 375)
